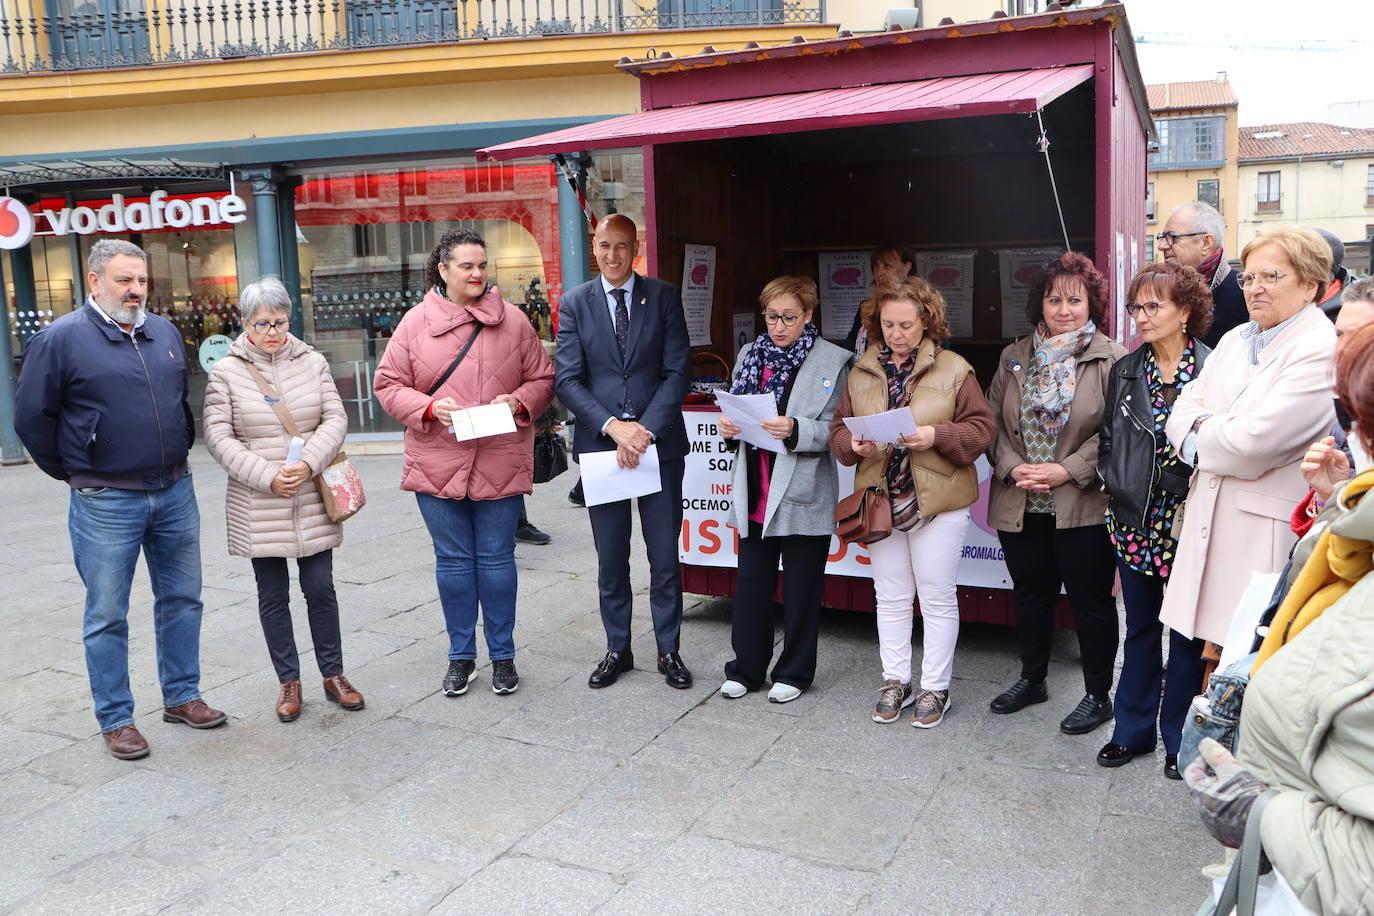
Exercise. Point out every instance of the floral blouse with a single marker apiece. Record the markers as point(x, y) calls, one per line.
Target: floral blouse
point(1151, 551)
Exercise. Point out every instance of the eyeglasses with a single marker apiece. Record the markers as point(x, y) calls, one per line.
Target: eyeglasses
point(787, 321)
point(1263, 278)
point(1151, 309)
point(281, 324)
point(1170, 239)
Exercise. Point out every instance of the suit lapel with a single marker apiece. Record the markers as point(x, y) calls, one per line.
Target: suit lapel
point(602, 312)
point(639, 314)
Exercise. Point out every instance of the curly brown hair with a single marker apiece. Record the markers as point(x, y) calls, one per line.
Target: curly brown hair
point(1182, 286)
point(1069, 264)
point(927, 299)
point(447, 242)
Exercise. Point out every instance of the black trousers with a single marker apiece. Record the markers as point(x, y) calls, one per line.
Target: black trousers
point(751, 631)
point(274, 609)
point(1041, 558)
point(660, 517)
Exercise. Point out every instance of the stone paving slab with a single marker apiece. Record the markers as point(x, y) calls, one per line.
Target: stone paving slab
point(556, 799)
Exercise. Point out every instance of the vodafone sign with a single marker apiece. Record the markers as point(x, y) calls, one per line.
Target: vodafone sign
point(16, 224)
point(158, 212)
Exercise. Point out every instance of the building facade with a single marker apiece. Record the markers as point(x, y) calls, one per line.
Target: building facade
point(1196, 160)
point(1320, 176)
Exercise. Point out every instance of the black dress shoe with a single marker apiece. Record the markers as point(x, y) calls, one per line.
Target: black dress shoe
point(610, 669)
point(1019, 695)
point(674, 671)
point(1171, 767)
point(575, 495)
point(1087, 715)
point(1115, 755)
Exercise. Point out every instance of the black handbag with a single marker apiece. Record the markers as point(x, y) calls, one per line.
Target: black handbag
point(550, 458)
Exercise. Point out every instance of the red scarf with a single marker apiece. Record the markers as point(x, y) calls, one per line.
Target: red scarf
point(1208, 268)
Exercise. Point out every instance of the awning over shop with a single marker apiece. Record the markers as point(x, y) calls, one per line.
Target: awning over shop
point(1010, 92)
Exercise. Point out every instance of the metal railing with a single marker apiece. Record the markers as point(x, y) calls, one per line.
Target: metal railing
point(130, 33)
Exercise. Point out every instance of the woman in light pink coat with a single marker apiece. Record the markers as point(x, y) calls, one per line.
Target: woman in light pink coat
point(1244, 424)
point(464, 346)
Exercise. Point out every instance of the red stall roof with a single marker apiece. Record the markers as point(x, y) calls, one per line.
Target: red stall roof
point(1011, 92)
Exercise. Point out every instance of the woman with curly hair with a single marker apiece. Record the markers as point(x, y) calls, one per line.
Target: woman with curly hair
point(929, 480)
point(464, 346)
point(1045, 501)
point(1147, 484)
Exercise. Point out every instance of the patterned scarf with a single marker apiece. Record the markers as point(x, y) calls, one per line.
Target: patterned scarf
point(901, 488)
point(782, 363)
point(1053, 374)
point(1211, 271)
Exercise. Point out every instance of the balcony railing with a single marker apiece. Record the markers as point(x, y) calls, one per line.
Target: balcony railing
point(1269, 205)
point(126, 33)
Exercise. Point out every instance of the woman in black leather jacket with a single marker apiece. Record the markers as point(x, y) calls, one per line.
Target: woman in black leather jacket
point(1147, 485)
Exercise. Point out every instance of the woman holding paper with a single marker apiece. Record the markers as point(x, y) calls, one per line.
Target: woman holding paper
point(784, 496)
point(273, 510)
point(1046, 501)
point(929, 477)
point(464, 347)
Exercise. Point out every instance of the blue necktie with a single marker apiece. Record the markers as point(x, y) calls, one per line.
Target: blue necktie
point(622, 320)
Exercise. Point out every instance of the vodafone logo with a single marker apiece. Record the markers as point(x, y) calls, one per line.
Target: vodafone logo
point(16, 224)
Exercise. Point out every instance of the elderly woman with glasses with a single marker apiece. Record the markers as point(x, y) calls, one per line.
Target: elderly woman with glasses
point(1147, 484)
point(273, 510)
point(1244, 426)
point(784, 500)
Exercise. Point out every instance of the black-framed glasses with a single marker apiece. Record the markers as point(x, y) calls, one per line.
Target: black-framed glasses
point(1150, 309)
point(1171, 238)
point(787, 321)
point(281, 324)
point(1264, 278)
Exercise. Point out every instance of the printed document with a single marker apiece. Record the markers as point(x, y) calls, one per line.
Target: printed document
point(748, 411)
point(605, 481)
point(886, 428)
point(479, 422)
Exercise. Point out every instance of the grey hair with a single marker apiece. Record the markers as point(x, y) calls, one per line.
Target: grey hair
point(106, 250)
point(1206, 219)
point(268, 293)
point(1359, 291)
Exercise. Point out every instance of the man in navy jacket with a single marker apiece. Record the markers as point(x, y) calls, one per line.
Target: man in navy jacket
point(102, 406)
point(623, 370)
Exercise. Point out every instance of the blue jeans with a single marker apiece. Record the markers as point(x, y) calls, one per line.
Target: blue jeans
point(474, 562)
point(1138, 701)
point(108, 529)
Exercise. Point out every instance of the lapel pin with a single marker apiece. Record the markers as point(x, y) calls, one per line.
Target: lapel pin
point(825, 383)
point(1013, 365)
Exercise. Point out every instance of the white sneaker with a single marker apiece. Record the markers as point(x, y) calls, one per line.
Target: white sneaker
point(783, 693)
point(733, 689)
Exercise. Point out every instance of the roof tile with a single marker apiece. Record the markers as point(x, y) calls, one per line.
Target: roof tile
point(1213, 93)
point(1302, 138)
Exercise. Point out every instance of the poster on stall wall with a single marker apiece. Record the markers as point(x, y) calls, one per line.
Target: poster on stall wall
point(1135, 269)
point(744, 329)
point(1017, 268)
point(707, 539)
point(846, 279)
point(1119, 324)
point(698, 287)
point(951, 272)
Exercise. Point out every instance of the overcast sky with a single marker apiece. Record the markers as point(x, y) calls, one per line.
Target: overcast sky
point(1287, 59)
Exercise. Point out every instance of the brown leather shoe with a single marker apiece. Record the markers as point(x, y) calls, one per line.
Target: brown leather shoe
point(289, 703)
point(338, 690)
point(126, 743)
point(195, 714)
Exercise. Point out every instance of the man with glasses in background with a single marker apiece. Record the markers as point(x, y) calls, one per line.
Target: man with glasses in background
point(1193, 237)
point(102, 406)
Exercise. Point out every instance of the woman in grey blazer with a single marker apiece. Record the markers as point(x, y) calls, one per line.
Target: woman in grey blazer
point(784, 502)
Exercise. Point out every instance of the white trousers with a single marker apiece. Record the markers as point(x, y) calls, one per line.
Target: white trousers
point(919, 562)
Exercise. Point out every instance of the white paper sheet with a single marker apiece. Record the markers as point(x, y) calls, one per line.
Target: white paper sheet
point(479, 422)
point(605, 481)
point(748, 411)
point(886, 427)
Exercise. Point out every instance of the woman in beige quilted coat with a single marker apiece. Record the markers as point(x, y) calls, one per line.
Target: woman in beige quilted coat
point(273, 509)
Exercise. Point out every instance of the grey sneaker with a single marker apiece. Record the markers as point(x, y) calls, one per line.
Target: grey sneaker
point(892, 699)
point(931, 706)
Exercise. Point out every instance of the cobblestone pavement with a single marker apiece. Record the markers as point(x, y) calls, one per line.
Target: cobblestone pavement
point(557, 799)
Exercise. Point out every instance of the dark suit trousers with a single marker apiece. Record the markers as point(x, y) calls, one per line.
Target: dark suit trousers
point(660, 517)
point(751, 631)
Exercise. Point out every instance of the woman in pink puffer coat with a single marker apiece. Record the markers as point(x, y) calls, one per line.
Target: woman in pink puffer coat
point(470, 493)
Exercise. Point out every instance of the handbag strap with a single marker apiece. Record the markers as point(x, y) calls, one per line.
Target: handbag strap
point(1242, 884)
point(272, 400)
point(456, 360)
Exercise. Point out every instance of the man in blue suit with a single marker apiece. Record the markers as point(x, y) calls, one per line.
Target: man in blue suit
point(622, 369)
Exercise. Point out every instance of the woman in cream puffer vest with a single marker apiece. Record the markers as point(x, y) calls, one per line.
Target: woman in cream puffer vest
point(273, 509)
